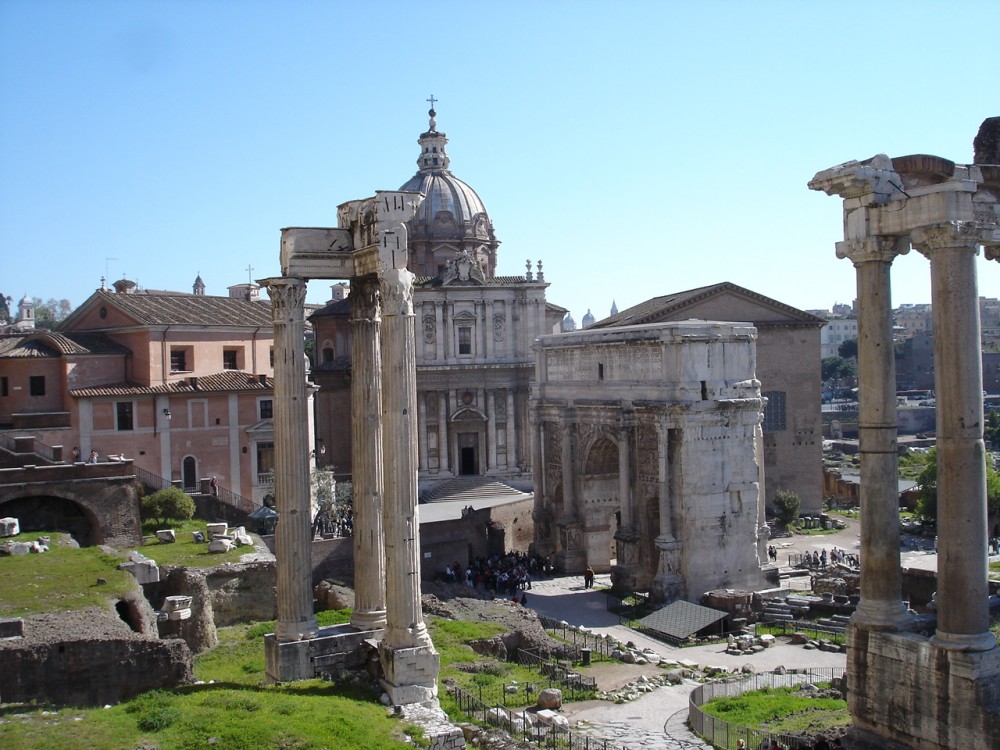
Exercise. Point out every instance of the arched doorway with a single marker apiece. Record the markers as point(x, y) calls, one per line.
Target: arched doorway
point(600, 487)
point(49, 513)
point(190, 473)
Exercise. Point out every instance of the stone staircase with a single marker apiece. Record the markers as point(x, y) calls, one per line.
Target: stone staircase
point(777, 609)
point(469, 489)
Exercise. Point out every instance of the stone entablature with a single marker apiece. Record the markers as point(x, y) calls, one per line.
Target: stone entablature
point(648, 441)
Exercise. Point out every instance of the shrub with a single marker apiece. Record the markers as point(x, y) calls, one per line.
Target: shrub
point(169, 503)
point(787, 504)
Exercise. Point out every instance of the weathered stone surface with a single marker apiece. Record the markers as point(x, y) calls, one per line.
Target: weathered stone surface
point(217, 529)
point(167, 536)
point(221, 544)
point(550, 698)
point(9, 527)
point(330, 595)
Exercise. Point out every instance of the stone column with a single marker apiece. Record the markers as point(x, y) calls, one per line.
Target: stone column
point(444, 433)
point(293, 534)
point(668, 584)
point(366, 454)
point(409, 662)
point(422, 429)
point(626, 431)
point(881, 606)
point(512, 447)
point(490, 341)
point(490, 402)
point(623, 575)
point(571, 557)
point(962, 589)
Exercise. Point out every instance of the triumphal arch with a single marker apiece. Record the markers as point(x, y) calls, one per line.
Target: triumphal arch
point(369, 247)
point(907, 689)
point(648, 450)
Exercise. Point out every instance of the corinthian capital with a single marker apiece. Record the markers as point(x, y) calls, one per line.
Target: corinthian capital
point(397, 292)
point(288, 298)
point(949, 235)
point(876, 249)
point(364, 298)
point(855, 179)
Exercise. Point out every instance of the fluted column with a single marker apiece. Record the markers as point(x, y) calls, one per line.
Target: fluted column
point(881, 605)
point(490, 402)
point(512, 446)
point(366, 454)
point(444, 433)
point(668, 584)
point(422, 429)
point(293, 534)
point(963, 610)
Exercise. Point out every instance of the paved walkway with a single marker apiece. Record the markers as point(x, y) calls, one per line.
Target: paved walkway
point(656, 721)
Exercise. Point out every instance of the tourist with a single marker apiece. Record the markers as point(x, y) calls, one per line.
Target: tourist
point(588, 578)
point(93, 457)
point(76, 454)
point(215, 487)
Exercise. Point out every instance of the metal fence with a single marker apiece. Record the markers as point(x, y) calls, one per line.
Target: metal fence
point(813, 629)
point(225, 495)
point(600, 647)
point(525, 726)
point(558, 675)
point(724, 734)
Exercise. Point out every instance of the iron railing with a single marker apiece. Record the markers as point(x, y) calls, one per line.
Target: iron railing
point(726, 735)
point(224, 495)
point(600, 647)
point(523, 726)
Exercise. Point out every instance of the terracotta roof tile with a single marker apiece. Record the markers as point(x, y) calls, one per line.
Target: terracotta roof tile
point(226, 381)
point(192, 309)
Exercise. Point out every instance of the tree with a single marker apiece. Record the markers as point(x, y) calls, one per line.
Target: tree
point(169, 503)
point(787, 503)
point(848, 349)
point(836, 368)
point(49, 314)
point(927, 497)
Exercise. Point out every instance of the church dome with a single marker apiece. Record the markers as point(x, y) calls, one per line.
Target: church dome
point(452, 217)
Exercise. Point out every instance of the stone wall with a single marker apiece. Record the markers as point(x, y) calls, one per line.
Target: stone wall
point(904, 690)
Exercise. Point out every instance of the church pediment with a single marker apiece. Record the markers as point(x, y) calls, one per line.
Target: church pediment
point(467, 413)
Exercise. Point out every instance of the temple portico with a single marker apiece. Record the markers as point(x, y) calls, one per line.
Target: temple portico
point(906, 689)
point(370, 249)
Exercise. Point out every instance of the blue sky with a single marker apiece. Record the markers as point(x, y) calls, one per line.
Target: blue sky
point(636, 148)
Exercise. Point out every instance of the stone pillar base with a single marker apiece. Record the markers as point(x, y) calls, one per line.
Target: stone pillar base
point(334, 648)
point(878, 615)
point(571, 561)
point(963, 641)
point(410, 674)
point(627, 578)
point(667, 588)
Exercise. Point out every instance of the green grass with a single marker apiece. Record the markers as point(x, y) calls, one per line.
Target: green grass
point(62, 579)
point(185, 552)
point(777, 710)
point(232, 706)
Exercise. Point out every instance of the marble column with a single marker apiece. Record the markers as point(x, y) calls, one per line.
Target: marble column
point(962, 591)
point(366, 454)
point(512, 447)
point(881, 606)
point(444, 433)
point(668, 584)
point(408, 658)
point(293, 534)
point(422, 429)
point(490, 402)
point(572, 557)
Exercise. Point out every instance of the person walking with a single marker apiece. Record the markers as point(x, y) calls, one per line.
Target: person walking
point(588, 578)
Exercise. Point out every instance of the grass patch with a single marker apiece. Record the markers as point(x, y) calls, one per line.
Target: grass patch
point(185, 552)
point(232, 710)
point(778, 710)
point(62, 579)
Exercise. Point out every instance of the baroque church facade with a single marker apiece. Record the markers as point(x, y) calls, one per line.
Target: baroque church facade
point(474, 335)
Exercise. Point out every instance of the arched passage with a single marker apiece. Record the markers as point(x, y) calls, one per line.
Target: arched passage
point(47, 513)
point(599, 488)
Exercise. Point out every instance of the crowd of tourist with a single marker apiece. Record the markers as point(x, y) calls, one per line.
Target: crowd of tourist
point(338, 520)
point(836, 557)
point(502, 575)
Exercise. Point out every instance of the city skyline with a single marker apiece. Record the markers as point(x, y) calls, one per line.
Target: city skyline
point(636, 150)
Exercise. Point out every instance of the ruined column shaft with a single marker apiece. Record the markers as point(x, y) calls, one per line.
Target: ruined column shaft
point(406, 628)
point(569, 508)
point(293, 534)
point(625, 476)
point(962, 591)
point(366, 454)
point(881, 605)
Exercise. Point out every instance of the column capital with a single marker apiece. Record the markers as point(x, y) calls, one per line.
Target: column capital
point(364, 301)
point(946, 235)
point(288, 296)
point(396, 286)
point(874, 249)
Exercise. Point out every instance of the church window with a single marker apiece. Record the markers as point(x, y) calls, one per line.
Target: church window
point(270, 357)
point(36, 385)
point(435, 150)
point(465, 340)
point(230, 359)
point(265, 461)
point(600, 371)
point(123, 415)
point(435, 161)
point(774, 412)
point(3, 385)
point(328, 354)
